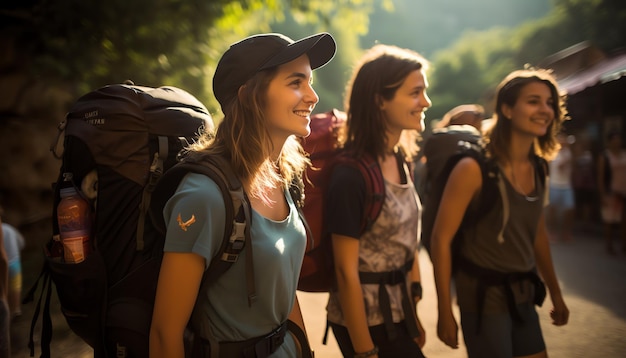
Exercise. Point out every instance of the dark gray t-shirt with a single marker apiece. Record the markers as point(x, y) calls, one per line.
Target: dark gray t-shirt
point(515, 253)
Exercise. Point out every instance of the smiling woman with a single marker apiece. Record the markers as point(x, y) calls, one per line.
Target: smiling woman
point(290, 100)
point(372, 312)
point(497, 275)
point(263, 84)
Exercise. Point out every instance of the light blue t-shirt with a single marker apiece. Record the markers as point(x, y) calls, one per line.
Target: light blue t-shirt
point(13, 245)
point(278, 250)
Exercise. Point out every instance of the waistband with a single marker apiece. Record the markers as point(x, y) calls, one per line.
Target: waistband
point(257, 347)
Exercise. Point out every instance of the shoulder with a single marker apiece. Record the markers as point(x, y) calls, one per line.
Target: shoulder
point(197, 190)
point(468, 165)
point(346, 171)
point(199, 184)
point(9, 229)
point(467, 174)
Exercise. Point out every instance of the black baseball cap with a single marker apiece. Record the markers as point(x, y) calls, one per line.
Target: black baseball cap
point(259, 52)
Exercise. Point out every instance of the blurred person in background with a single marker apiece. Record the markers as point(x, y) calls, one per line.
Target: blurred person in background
point(583, 181)
point(13, 245)
point(5, 314)
point(460, 123)
point(612, 190)
point(560, 213)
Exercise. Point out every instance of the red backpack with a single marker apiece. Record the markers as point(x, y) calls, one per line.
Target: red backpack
point(317, 274)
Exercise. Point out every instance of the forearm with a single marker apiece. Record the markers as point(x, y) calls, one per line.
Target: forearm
point(545, 264)
point(415, 274)
point(353, 308)
point(296, 315)
point(442, 269)
point(547, 272)
point(166, 344)
point(415, 280)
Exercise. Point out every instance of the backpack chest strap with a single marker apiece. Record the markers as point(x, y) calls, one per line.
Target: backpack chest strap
point(395, 277)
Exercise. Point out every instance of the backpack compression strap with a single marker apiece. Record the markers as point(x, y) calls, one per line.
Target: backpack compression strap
point(156, 171)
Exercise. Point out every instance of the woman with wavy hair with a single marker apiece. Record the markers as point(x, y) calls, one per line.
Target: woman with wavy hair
point(263, 84)
point(500, 269)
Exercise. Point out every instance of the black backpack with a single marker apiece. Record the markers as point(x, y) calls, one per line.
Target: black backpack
point(120, 139)
point(492, 190)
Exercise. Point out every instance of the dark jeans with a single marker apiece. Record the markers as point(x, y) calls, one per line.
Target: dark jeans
point(402, 347)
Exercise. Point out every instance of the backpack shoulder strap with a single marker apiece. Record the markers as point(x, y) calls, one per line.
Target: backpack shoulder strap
point(492, 185)
point(542, 168)
point(375, 186)
point(237, 216)
point(407, 168)
point(296, 191)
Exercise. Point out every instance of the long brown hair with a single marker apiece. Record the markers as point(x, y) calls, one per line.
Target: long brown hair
point(243, 139)
point(499, 134)
point(378, 75)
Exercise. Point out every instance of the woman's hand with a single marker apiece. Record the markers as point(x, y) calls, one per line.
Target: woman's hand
point(559, 313)
point(447, 330)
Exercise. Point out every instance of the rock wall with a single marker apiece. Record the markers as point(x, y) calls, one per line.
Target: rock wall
point(30, 111)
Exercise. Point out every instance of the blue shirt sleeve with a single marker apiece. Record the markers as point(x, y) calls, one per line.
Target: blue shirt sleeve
point(195, 217)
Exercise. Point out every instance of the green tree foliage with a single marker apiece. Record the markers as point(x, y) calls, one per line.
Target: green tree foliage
point(348, 21)
point(603, 22)
point(469, 70)
point(428, 26)
point(464, 72)
point(89, 43)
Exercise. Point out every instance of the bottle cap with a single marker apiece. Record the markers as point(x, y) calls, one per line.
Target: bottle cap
point(67, 191)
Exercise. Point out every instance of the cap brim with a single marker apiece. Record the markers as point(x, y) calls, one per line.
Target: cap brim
point(320, 48)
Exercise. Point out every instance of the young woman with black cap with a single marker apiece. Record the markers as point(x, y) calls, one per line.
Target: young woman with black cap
point(263, 84)
point(373, 311)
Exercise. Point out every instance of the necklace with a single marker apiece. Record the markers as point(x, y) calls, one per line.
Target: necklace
point(519, 188)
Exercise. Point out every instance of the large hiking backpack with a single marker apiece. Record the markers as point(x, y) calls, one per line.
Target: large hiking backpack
point(437, 149)
point(317, 274)
point(118, 141)
point(493, 189)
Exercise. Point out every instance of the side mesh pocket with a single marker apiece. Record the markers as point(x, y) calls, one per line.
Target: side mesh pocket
point(81, 289)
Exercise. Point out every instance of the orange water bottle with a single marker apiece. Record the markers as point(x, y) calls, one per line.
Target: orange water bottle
point(74, 218)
